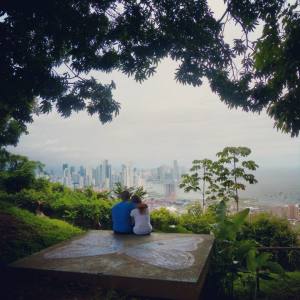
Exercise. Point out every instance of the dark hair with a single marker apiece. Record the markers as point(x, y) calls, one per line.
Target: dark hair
point(125, 195)
point(136, 199)
point(139, 204)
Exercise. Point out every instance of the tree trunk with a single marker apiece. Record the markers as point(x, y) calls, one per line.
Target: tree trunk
point(236, 191)
point(203, 190)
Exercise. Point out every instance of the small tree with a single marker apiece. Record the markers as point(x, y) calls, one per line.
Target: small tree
point(231, 171)
point(17, 172)
point(199, 179)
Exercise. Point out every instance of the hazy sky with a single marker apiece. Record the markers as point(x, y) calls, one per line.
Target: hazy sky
point(160, 120)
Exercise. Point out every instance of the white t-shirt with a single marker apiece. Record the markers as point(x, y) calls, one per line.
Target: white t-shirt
point(142, 223)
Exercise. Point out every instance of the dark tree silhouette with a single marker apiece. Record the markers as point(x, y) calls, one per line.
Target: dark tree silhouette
point(48, 48)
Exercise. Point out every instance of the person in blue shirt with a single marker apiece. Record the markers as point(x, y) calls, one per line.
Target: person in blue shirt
point(121, 214)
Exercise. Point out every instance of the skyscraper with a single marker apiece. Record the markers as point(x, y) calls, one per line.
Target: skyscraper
point(98, 176)
point(104, 177)
point(127, 176)
point(170, 191)
point(65, 166)
point(82, 171)
point(176, 175)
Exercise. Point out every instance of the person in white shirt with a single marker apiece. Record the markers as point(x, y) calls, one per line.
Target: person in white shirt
point(141, 217)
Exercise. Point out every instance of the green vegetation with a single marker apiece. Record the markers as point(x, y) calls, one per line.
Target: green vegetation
point(34, 215)
point(83, 208)
point(23, 233)
point(166, 221)
point(287, 288)
point(137, 191)
point(51, 70)
point(237, 265)
point(271, 231)
point(221, 179)
point(192, 221)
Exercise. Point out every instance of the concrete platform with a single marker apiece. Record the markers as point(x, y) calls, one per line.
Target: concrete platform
point(163, 265)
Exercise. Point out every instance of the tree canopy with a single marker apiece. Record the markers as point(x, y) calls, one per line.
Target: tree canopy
point(49, 47)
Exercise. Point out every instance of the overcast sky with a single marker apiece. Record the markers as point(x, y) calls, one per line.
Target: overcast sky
point(160, 120)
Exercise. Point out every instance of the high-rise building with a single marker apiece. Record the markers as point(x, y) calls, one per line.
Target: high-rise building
point(82, 171)
point(161, 174)
point(170, 191)
point(67, 177)
point(106, 181)
point(88, 177)
point(65, 166)
point(126, 175)
point(176, 175)
point(115, 178)
point(98, 176)
point(135, 177)
point(293, 212)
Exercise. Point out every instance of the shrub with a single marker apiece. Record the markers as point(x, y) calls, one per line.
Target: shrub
point(194, 209)
point(271, 231)
point(23, 233)
point(77, 208)
point(162, 219)
point(82, 208)
point(197, 224)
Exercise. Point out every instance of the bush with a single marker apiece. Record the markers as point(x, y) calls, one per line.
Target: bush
point(193, 221)
point(271, 231)
point(87, 212)
point(23, 233)
point(82, 208)
point(197, 224)
point(162, 219)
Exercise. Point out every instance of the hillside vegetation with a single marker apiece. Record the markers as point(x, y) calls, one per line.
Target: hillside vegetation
point(35, 213)
point(23, 233)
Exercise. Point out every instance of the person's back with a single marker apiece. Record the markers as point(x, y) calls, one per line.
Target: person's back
point(141, 217)
point(121, 215)
point(142, 223)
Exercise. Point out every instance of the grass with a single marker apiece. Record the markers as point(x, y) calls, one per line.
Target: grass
point(23, 233)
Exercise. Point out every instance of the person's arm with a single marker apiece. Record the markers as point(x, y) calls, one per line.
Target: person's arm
point(142, 205)
point(132, 217)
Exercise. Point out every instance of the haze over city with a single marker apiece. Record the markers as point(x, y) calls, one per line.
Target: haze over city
point(161, 120)
point(159, 123)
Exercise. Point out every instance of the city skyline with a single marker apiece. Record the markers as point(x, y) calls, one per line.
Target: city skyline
point(103, 177)
point(281, 186)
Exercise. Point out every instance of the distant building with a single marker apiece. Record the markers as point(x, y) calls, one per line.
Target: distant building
point(176, 175)
point(65, 166)
point(279, 211)
point(290, 211)
point(293, 211)
point(126, 175)
point(82, 171)
point(170, 191)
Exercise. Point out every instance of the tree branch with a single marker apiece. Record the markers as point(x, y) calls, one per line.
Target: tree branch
point(75, 75)
point(224, 14)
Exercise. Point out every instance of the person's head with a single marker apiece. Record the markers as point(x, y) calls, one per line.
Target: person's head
point(136, 199)
point(139, 204)
point(125, 195)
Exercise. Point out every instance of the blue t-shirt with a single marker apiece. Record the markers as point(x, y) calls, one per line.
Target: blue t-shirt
point(121, 217)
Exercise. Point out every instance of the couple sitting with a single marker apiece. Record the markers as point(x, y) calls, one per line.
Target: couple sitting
point(131, 215)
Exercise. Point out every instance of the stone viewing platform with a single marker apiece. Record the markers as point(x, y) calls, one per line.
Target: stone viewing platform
point(164, 265)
